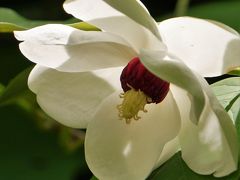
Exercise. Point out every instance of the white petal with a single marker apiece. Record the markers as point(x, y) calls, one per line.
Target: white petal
point(169, 150)
point(224, 26)
point(127, 18)
point(204, 46)
point(214, 134)
point(71, 50)
point(211, 146)
point(116, 150)
point(73, 98)
point(174, 71)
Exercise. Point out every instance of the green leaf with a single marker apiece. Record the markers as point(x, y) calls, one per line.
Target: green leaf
point(176, 169)
point(84, 26)
point(235, 72)
point(226, 12)
point(9, 27)
point(228, 93)
point(16, 87)
point(11, 21)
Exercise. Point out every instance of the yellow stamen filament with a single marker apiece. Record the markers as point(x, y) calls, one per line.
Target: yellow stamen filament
point(133, 102)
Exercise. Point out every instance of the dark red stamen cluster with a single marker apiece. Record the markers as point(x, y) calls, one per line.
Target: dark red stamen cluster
point(135, 75)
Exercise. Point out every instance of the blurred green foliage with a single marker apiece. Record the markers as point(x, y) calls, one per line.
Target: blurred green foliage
point(226, 12)
point(28, 153)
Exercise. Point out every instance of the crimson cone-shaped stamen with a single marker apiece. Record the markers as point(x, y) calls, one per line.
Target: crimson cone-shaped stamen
point(136, 76)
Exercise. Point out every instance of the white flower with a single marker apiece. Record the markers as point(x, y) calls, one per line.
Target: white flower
point(77, 82)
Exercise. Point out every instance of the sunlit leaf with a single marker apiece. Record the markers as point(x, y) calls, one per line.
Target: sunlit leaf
point(11, 21)
point(176, 169)
point(84, 26)
point(9, 27)
point(228, 94)
point(235, 72)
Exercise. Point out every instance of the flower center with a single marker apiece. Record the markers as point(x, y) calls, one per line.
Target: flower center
point(140, 87)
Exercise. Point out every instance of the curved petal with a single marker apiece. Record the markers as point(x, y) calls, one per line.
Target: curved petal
point(211, 146)
point(116, 150)
point(127, 18)
point(171, 69)
point(199, 105)
point(224, 26)
point(71, 50)
point(171, 148)
point(205, 47)
point(72, 98)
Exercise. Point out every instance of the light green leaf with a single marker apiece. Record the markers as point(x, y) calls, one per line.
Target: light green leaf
point(16, 87)
point(9, 27)
point(84, 26)
point(176, 169)
point(228, 93)
point(11, 21)
point(235, 72)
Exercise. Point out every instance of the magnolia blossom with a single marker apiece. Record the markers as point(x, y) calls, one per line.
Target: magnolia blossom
point(137, 86)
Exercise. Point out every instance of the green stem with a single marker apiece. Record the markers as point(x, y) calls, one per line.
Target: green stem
point(181, 7)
